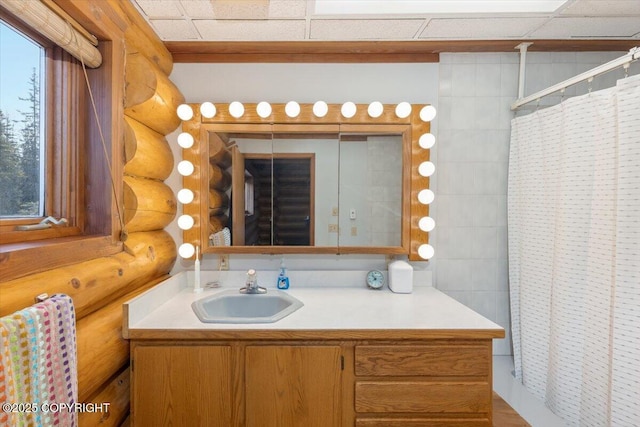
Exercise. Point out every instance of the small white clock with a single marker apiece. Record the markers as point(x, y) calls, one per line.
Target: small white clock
point(375, 279)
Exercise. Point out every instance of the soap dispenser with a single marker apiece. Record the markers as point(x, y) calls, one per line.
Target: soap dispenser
point(283, 279)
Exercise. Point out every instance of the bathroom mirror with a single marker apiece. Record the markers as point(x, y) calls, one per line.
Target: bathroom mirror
point(304, 184)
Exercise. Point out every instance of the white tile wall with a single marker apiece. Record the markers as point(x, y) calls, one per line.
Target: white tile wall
point(475, 92)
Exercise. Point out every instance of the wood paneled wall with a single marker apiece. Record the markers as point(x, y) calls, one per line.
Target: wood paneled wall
point(100, 285)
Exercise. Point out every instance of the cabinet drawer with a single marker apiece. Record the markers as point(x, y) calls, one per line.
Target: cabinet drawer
point(423, 422)
point(423, 360)
point(423, 396)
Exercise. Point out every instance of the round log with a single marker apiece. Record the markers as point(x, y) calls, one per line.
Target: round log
point(217, 223)
point(148, 204)
point(102, 351)
point(218, 152)
point(116, 392)
point(137, 41)
point(92, 284)
point(150, 97)
point(218, 202)
point(219, 179)
point(147, 153)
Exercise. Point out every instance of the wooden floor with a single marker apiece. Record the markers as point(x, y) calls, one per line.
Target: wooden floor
point(505, 416)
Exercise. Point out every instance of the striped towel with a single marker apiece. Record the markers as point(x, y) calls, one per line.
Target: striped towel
point(39, 362)
point(7, 389)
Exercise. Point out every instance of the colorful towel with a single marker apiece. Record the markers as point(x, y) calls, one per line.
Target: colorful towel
point(39, 363)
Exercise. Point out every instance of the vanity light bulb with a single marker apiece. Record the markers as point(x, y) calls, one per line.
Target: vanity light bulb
point(185, 112)
point(185, 140)
point(236, 109)
point(292, 109)
point(186, 250)
point(185, 168)
point(403, 110)
point(426, 223)
point(320, 109)
point(207, 109)
point(426, 196)
point(426, 251)
point(427, 141)
point(263, 109)
point(428, 113)
point(185, 222)
point(185, 196)
point(348, 109)
point(375, 109)
point(426, 169)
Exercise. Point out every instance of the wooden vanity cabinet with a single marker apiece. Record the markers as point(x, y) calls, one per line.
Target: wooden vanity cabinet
point(293, 386)
point(176, 385)
point(440, 383)
point(366, 383)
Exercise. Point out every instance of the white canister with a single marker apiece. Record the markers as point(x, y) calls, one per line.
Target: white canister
point(401, 277)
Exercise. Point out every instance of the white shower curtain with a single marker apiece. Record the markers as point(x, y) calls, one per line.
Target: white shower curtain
point(574, 255)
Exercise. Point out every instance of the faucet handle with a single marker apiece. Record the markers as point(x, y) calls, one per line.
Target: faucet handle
point(251, 274)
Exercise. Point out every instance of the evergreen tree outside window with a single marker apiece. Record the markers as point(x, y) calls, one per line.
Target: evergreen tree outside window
point(21, 125)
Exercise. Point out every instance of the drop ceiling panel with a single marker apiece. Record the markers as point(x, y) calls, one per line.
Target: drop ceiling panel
point(489, 28)
point(287, 8)
point(160, 8)
point(264, 30)
point(602, 27)
point(174, 29)
point(198, 9)
point(603, 8)
point(362, 29)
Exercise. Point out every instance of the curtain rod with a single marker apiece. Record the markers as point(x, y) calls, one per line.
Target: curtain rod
point(633, 55)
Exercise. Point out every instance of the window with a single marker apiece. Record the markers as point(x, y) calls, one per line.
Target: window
point(41, 163)
point(22, 157)
point(71, 176)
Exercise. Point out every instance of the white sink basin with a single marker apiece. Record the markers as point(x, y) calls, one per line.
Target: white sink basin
point(233, 307)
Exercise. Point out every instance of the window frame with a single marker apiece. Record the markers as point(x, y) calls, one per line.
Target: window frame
point(58, 89)
point(74, 166)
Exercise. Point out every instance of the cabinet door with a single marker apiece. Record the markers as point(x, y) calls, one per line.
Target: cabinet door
point(181, 386)
point(293, 386)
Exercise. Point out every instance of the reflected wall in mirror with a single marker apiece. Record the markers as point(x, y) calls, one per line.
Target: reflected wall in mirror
point(307, 184)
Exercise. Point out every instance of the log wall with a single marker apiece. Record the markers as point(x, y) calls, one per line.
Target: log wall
point(100, 285)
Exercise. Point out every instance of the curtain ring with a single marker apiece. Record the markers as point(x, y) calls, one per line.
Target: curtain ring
point(562, 93)
point(590, 81)
point(626, 69)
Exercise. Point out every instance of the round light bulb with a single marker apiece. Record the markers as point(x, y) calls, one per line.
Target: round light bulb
point(426, 251)
point(186, 250)
point(375, 109)
point(263, 109)
point(185, 168)
point(185, 222)
point(185, 196)
point(426, 223)
point(426, 169)
point(320, 109)
point(427, 141)
point(348, 109)
point(292, 109)
point(185, 112)
point(428, 113)
point(207, 109)
point(426, 196)
point(185, 140)
point(403, 110)
point(236, 109)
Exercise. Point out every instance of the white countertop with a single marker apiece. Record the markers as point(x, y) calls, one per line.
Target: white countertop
point(168, 307)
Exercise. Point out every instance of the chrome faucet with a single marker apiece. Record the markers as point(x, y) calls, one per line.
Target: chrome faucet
point(251, 286)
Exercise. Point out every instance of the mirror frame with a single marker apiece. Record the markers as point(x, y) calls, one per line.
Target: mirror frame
point(411, 128)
